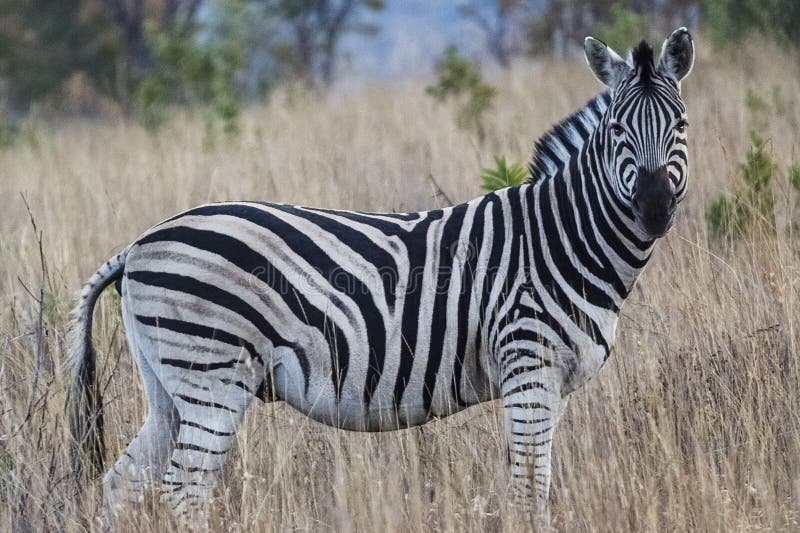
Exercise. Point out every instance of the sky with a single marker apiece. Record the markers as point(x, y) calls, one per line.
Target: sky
point(413, 34)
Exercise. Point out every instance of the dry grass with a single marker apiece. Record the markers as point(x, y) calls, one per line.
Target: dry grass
point(693, 425)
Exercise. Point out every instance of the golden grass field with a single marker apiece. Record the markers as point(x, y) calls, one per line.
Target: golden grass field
point(694, 424)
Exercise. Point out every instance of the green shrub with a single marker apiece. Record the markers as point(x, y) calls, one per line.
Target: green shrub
point(503, 175)
point(757, 173)
point(460, 80)
point(752, 205)
point(725, 217)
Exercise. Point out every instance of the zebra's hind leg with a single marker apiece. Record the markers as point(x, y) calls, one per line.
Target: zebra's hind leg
point(144, 460)
point(209, 418)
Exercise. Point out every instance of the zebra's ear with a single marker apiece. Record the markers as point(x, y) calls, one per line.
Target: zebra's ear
point(606, 64)
point(677, 55)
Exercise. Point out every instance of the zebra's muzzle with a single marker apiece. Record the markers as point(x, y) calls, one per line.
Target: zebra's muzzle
point(654, 202)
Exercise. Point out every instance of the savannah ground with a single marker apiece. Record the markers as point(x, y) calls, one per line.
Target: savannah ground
point(694, 423)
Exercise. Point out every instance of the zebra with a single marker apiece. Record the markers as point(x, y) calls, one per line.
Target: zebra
point(376, 322)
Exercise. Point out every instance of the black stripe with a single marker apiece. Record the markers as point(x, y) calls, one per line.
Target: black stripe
point(527, 405)
point(518, 370)
point(197, 401)
point(178, 484)
point(448, 243)
point(176, 464)
point(524, 387)
point(245, 388)
point(534, 434)
point(194, 365)
point(197, 448)
point(531, 443)
point(206, 429)
point(530, 421)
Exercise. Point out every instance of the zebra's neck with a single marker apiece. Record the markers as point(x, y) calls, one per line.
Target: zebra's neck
point(564, 140)
point(577, 211)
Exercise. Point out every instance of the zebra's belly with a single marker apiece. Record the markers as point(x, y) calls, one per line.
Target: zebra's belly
point(350, 411)
point(353, 416)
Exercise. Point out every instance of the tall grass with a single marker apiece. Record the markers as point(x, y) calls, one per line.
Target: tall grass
point(694, 424)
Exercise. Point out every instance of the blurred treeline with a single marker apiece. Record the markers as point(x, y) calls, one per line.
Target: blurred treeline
point(144, 57)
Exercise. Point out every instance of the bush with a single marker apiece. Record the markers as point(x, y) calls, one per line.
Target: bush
point(503, 175)
point(460, 80)
point(751, 206)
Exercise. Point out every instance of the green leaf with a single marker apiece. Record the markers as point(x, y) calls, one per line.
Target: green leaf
point(752, 204)
point(503, 175)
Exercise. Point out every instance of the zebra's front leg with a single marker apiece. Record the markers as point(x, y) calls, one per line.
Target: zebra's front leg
point(532, 404)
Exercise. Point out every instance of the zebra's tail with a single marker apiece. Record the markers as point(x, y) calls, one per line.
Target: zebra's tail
point(84, 399)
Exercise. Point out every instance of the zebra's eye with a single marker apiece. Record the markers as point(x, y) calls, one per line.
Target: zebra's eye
point(616, 129)
point(681, 126)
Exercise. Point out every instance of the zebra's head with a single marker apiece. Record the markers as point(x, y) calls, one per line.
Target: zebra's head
point(644, 127)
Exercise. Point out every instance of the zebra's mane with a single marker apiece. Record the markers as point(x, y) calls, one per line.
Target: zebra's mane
point(642, 59)
point(553, 149)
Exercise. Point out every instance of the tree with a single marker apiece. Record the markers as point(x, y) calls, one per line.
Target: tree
point(43, 43)
point(129, 18)
point(130, 15)
point(730, 21)
point(559, 26)
point(315, 29)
